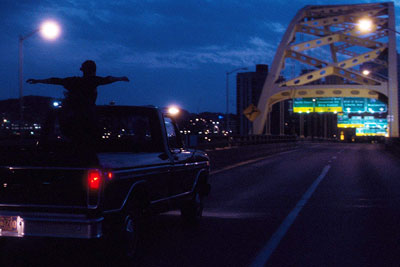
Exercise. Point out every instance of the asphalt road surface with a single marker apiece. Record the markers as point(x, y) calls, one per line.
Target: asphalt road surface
point(318, 205)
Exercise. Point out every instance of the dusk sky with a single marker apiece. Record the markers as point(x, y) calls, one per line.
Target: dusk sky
point(173, 51)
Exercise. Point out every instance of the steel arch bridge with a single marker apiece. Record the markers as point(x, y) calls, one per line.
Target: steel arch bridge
point(328, 42)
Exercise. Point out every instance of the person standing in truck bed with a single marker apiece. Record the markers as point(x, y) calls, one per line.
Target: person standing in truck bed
point(78, 119)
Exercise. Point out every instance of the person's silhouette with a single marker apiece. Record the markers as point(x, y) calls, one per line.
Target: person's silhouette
point(78, 120)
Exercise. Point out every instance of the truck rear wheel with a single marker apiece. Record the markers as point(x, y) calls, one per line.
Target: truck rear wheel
point(130, 235)
point(192, 209)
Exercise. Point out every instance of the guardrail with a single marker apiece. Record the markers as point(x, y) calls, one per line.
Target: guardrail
point(212, 142)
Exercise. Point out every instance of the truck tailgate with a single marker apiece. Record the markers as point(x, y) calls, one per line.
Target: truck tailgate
point(43, 186)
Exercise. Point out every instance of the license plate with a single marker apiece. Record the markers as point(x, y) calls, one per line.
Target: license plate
point(9, 224)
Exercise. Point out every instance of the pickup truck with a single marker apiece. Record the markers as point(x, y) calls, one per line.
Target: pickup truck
point(50, 187)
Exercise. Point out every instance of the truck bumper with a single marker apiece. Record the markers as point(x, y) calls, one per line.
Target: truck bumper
point(49, 225)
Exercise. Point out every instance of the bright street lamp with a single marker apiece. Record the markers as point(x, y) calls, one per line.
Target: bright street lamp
point(173, 110)
point(227, 94)
point(49, 30)
point(365, 25)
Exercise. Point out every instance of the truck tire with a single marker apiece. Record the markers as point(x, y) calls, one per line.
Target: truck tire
point(192, 209)
point(130, 235)
point(122, 245)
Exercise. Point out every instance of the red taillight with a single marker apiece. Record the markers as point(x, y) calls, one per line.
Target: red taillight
point(94, 179)
point(110, 175)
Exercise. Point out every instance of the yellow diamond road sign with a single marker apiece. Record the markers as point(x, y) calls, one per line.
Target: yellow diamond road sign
point(251, 112)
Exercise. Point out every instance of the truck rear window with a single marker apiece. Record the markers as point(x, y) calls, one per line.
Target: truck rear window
point(131, 132)
point(117, 129)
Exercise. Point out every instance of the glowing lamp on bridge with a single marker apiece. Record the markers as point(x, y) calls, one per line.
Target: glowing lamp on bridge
point(365, 25)
point(366, 72)
point(173, 110)
point(50, 30)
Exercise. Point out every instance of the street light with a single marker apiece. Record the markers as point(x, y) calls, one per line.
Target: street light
point(227, 94)
point(173, 110)
point(366, 72)
point(49, 30)
point(367, 25)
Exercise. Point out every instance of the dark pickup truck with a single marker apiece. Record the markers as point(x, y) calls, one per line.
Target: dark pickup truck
point(50, 187)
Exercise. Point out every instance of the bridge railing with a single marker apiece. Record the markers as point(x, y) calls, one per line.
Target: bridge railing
point(393, 145)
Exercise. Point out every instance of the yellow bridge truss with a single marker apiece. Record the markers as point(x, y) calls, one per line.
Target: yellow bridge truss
point(333, 50)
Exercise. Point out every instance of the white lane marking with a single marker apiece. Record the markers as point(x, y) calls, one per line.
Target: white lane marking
point(250, 161)
point(334, 157)
point(276, 238)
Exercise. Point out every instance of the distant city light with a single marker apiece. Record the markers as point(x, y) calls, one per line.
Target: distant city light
point(50, 30)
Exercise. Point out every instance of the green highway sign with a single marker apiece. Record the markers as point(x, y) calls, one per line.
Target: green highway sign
point(365, 126)
point(337, 104)
point(301, 105)
point(374, 105)
point(354, 105)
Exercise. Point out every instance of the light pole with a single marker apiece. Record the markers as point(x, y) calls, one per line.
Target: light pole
point(390, 116)
point(367, 25)
point(49, 30)
point(227, 95)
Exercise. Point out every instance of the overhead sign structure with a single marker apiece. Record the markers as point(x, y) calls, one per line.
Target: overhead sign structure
point(352, 112)
point(337, 105)
point(251, 112)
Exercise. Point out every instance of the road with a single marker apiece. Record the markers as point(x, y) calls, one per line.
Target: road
point(317, 205)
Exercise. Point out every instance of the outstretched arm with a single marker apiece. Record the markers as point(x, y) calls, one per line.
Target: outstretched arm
point(111, 79)
point(58, 81)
